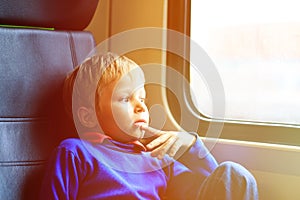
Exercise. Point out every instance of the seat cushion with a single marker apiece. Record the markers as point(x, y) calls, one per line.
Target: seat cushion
point(33, 65)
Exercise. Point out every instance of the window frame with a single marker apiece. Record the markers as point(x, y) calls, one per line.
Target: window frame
point(178, 19)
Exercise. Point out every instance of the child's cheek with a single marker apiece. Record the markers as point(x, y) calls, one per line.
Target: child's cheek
point(120, 112)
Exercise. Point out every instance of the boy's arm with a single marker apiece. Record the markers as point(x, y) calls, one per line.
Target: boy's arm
point(61, 180)
point(198, 159)
point(176, 144)
point(193, 166)
point(185, 146)
point(160, 143)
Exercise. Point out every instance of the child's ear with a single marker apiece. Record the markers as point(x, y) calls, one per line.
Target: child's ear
point(87, 117)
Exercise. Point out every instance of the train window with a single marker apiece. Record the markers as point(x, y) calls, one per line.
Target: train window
point(255, 46)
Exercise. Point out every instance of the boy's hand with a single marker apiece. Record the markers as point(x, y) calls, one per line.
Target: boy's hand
point(167, 142)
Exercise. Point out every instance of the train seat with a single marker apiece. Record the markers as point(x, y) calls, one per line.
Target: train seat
point(33, 64)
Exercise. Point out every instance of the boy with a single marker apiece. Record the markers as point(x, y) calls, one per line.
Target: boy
point(109, 162)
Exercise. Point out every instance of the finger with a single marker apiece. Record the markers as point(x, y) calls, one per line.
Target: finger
point(161, 151)
point(174, 149)
point(149, 131)
point(158, 141)
point(150, 134)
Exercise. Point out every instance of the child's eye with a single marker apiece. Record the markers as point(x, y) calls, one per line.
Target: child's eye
point(143, 100)
point(124, 99)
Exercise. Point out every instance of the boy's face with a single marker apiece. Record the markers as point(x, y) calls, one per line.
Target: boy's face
point(122, 107)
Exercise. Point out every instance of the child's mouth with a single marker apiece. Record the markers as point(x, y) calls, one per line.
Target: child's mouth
point(140, 122)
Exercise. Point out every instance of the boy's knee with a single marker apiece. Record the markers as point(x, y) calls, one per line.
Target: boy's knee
point(235, 169)
point(235, 172)
point(232, 167)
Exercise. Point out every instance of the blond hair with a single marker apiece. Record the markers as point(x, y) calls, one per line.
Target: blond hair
point(83, 86)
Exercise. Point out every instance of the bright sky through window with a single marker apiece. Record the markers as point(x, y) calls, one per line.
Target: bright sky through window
point(255, 45)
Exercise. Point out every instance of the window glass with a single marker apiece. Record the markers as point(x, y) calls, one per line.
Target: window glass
point(255, 46)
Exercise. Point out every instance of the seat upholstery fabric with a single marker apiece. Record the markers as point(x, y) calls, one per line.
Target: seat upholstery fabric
point(58, 14)
point(33, 65)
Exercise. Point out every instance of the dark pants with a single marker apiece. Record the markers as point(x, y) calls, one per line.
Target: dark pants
point(229, 181)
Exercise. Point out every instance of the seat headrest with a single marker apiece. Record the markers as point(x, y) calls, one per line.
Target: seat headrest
point(57, 14)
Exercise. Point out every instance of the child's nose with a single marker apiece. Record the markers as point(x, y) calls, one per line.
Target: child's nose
point(139, 106)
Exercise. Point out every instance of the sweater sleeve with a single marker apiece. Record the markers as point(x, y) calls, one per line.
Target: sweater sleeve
point(198, 159)
point(189, 172)
point(61, 180)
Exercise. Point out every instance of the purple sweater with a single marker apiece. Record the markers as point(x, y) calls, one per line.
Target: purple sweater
point(110, 170)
